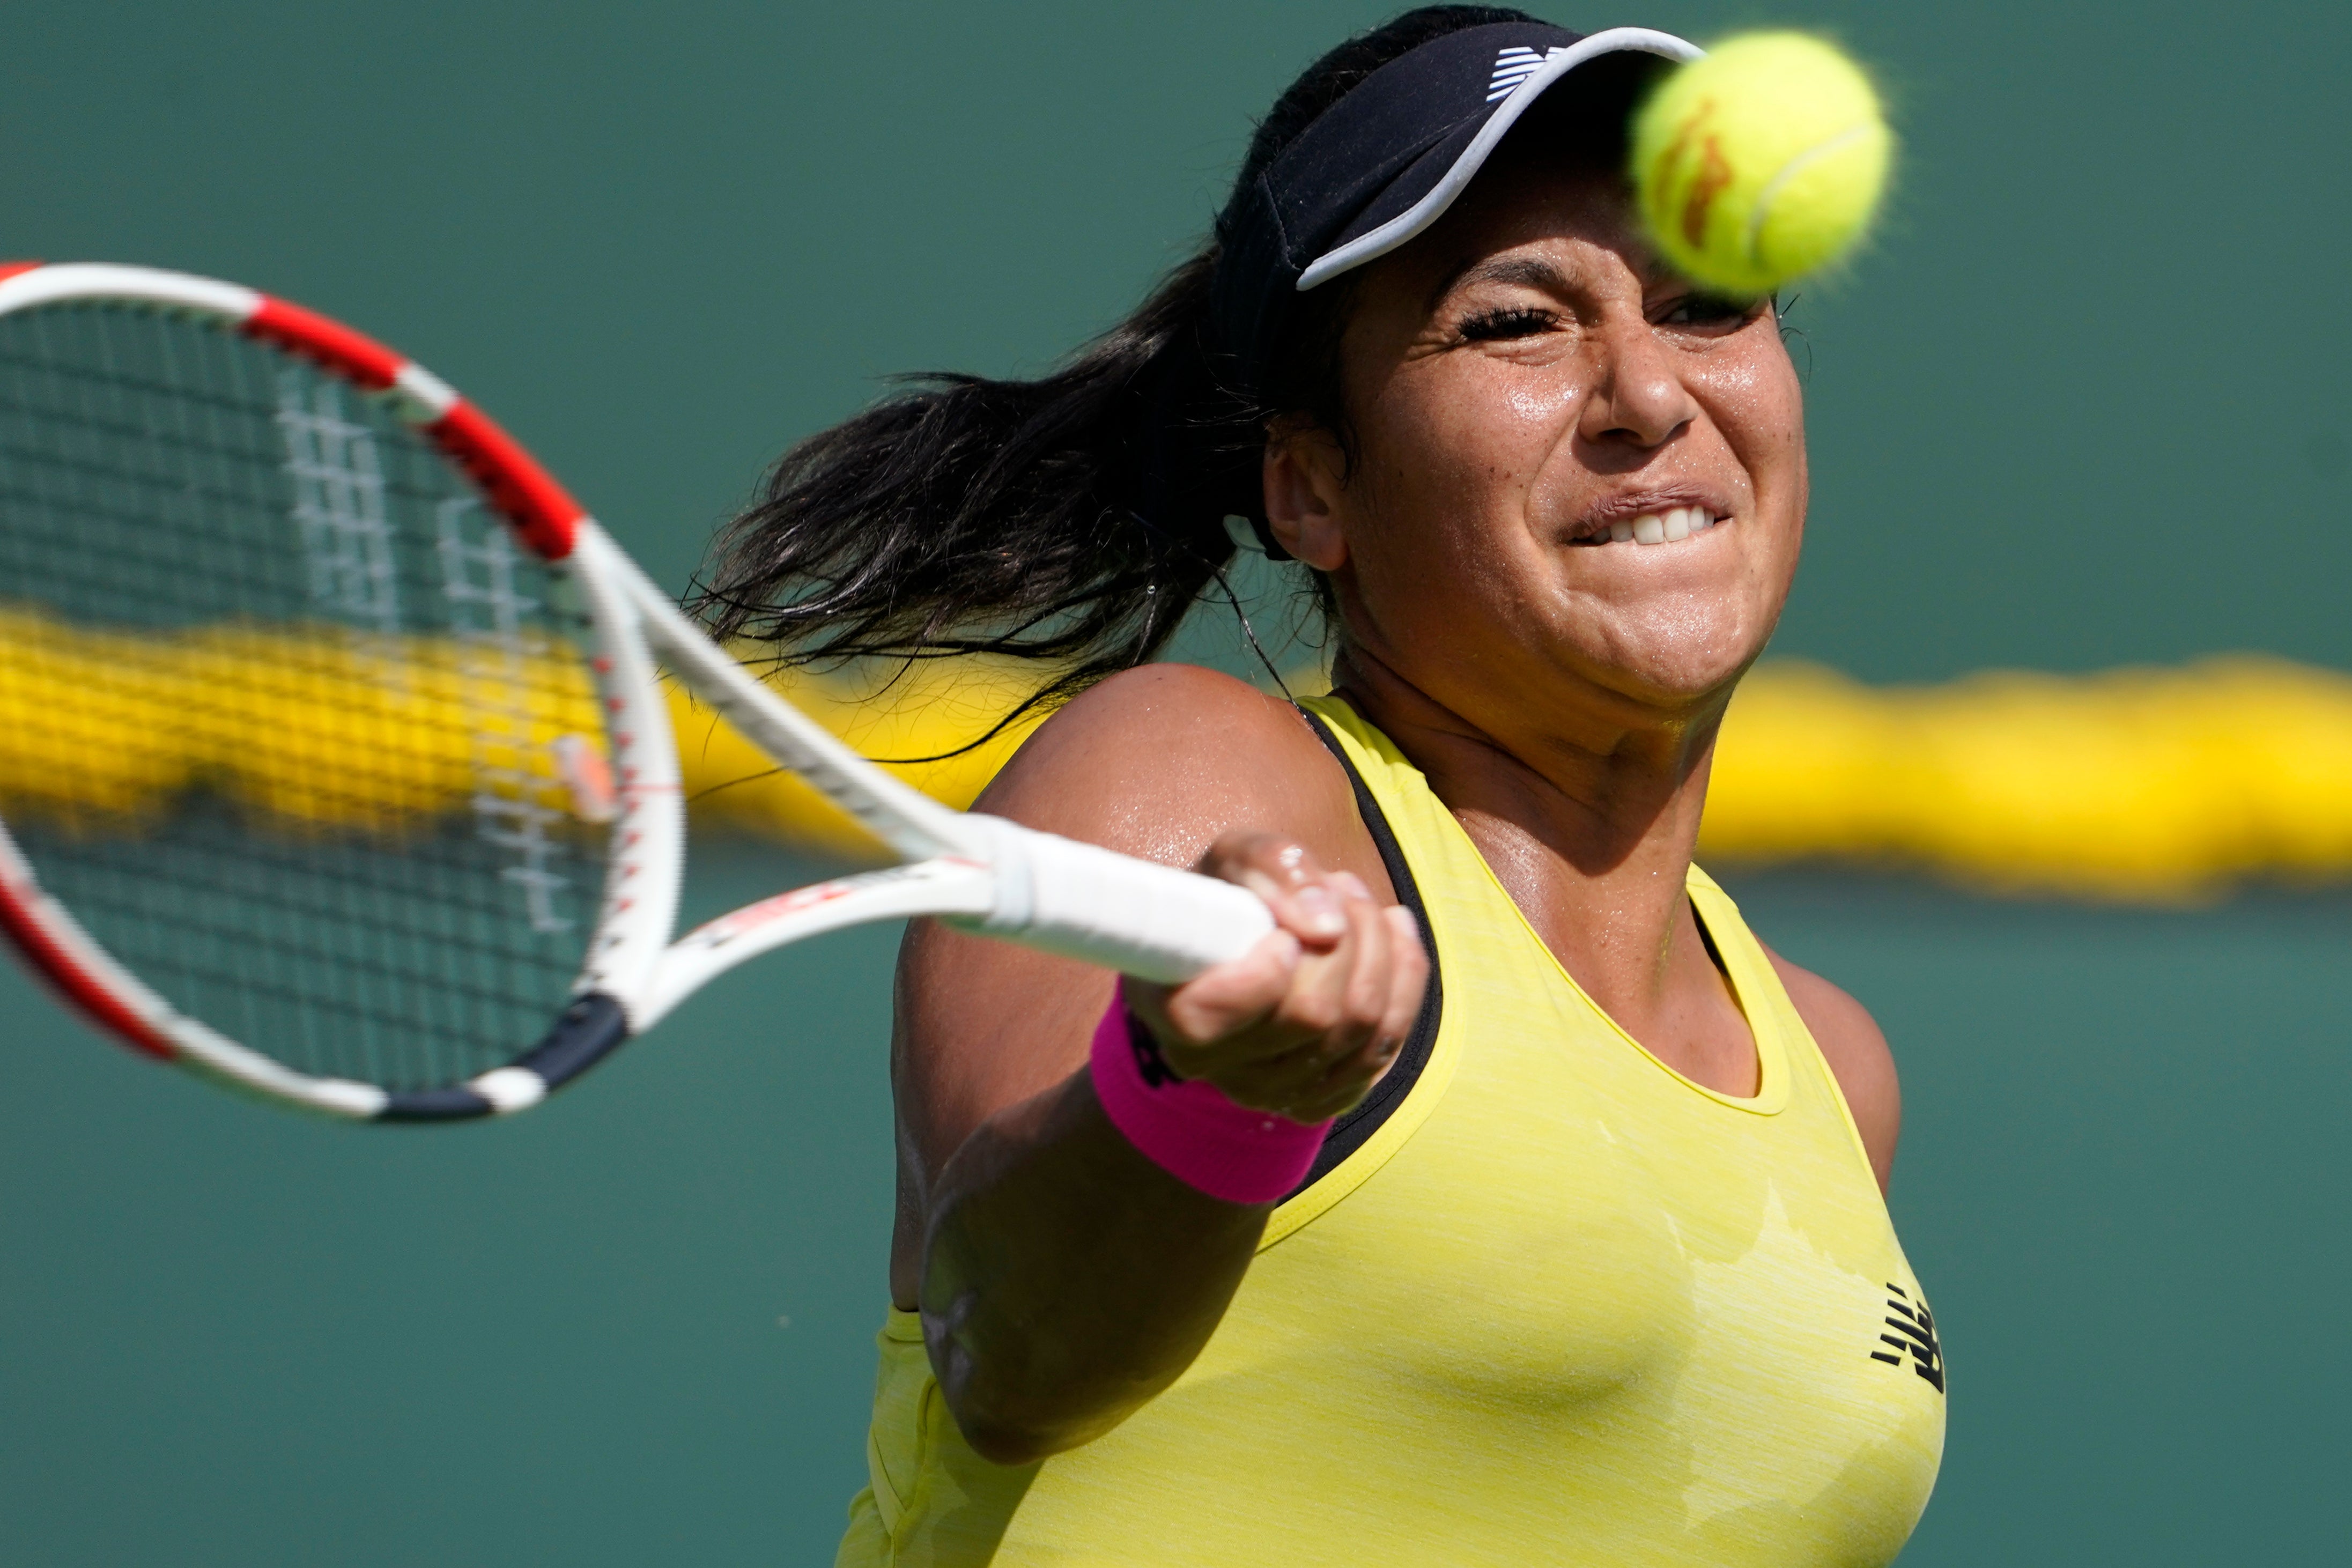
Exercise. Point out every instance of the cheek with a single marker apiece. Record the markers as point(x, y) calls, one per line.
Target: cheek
point(1755, 400)
point(1466, 447)
point(1540, 405)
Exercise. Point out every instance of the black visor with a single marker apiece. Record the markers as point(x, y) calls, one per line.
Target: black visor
point(1382, 164)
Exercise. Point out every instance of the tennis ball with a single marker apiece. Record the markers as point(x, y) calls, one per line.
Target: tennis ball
point(1759, 161)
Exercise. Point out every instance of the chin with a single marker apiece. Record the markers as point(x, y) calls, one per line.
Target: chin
point(1680, 659)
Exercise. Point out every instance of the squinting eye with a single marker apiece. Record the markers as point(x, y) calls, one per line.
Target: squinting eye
point(1521, 321)
point(1707, 310)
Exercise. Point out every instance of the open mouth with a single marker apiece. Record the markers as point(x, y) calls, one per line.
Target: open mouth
point(1671, 526)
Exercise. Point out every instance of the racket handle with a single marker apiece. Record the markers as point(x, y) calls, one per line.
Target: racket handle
point(1140, 918)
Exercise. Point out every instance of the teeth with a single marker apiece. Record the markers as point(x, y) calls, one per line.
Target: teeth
point(1669, 527)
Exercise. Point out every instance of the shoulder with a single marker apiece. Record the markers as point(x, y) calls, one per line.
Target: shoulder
point(1185, 716)
point(1161, 760)
point(1856, 1050)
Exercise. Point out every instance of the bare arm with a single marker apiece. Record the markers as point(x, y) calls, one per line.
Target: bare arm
point(1063, 1277)
point(1856, 1051)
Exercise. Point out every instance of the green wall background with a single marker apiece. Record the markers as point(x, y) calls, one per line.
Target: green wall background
point(2083, 405)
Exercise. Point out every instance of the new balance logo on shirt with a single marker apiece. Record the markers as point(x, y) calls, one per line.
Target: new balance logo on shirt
point(1913, 1335)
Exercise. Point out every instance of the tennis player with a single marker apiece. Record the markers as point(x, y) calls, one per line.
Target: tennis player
point(1512, 1203)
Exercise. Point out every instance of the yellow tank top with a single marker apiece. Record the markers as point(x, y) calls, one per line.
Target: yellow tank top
point(1564, 1306)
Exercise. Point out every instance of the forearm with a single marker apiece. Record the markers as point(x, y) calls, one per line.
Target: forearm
point(1067, 1278)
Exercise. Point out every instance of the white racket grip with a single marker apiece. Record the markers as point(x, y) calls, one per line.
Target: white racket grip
point(1084, 902)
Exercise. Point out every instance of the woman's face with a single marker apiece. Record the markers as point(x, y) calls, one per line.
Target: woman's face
point(1527, 383)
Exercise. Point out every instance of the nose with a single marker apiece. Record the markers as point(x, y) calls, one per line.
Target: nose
point(1638, 398)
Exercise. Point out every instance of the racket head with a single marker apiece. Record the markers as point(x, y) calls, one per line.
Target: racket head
point(310, 783)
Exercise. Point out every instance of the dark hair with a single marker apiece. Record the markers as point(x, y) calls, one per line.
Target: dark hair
point(1071, 520)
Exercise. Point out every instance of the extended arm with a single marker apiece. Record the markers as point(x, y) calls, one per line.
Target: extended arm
point(1064, 1279)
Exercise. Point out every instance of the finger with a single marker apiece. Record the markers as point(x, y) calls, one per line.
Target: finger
point(1285, 876)
point(1371, 976)
point(1318, 1023)
point(1399, 986)
point(1325, 1072)
point(1219, 1001)
point(1347, 1082)
point(1318, 1002)
point(1408, 974)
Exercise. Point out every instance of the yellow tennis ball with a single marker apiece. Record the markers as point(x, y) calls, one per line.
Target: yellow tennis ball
point(1760, 161)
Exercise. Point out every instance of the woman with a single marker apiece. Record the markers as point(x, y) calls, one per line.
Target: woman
point(1511, 1202)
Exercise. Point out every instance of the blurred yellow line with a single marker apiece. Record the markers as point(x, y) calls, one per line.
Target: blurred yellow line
point(322, 728)
point(2142, 785)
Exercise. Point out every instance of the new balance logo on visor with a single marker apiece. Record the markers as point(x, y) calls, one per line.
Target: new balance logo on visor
point(1514, 65)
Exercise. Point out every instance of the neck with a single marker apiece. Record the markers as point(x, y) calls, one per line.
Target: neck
point(1587, 813)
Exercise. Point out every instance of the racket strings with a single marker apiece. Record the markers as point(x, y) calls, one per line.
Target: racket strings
point(327, 985)
point(287, 714)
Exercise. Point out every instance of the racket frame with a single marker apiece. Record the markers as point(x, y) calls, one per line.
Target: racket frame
point(978, 872)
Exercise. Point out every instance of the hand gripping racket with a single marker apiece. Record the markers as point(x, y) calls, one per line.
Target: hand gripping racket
point(335, 762)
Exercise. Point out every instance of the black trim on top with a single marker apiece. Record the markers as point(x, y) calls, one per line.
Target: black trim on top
point(1354, 1128)
point(585, 1033)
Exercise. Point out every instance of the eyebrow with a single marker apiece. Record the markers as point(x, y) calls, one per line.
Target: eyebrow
point(1529, 271)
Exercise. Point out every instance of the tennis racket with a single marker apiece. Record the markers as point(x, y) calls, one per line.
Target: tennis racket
point(335, 756)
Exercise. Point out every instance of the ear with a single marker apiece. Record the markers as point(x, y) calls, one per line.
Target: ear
point(1305, 476)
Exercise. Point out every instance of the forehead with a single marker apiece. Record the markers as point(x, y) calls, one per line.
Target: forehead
point(1525, 203)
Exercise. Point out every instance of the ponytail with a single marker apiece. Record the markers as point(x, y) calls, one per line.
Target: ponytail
point(1071, 520)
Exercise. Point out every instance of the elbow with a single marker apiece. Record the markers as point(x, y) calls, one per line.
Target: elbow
point(1005, 1421)
point(1008, 1442)
point(1006, 1435)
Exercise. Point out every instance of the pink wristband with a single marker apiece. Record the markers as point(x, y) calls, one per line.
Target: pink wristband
point(1188, 1129)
